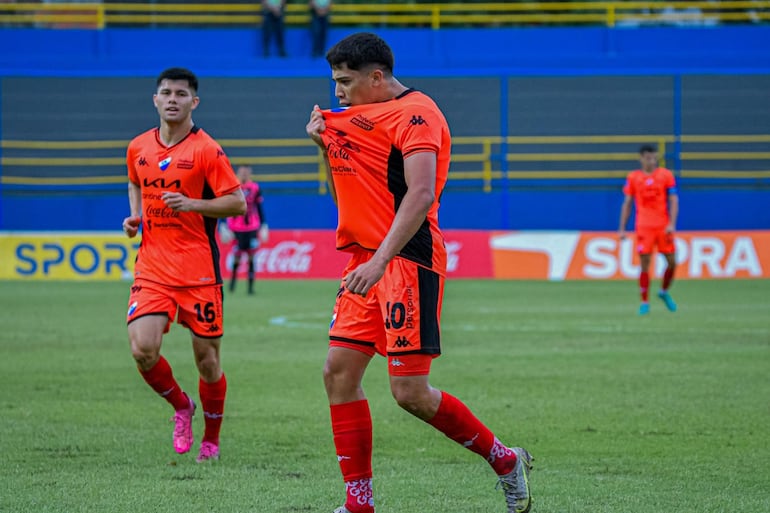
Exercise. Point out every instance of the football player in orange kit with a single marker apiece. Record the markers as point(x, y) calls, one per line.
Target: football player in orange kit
point(387, 151)
point(180, 182)
point(653, 191)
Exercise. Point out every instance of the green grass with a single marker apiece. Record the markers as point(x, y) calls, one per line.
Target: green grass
point(667, 413)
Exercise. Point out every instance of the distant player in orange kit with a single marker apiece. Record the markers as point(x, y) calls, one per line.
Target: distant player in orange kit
point(179, 182)
point(653, 190)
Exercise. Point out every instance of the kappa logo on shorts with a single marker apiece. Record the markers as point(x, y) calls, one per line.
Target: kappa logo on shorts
point(213, 328)
point(136, 288)
point(403, 342)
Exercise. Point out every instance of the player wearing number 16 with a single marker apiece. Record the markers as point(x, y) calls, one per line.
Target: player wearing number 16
point(180, 182)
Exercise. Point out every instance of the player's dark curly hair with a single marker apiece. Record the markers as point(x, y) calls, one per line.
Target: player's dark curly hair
point(179, 74)
point(359, 50)
point(647, 148)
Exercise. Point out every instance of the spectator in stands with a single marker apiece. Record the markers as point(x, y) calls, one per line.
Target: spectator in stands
point(272, 26)
point(319, 25)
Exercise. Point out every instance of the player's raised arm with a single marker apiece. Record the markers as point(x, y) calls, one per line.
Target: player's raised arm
point(314, 128)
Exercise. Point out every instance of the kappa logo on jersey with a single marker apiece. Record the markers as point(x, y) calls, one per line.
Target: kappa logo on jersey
point(142, 162)
point(220, 153)
point(417, 120)
point(163, 164)
point(363, 122)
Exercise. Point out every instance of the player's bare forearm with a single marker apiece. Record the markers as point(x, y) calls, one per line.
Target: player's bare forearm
point(233, 204)
point(410, 216)
point(673, 208)
point(330, 179)
point(420, 177)
point(625, 212)
point(315, 126)
point(134, 220)
point(135, 199)
point(229, 205)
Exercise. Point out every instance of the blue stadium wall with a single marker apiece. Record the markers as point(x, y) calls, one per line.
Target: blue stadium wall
point(714, 65)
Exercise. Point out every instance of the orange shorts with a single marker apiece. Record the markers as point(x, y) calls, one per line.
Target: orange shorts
point(648, 239)
point(197, 308)
point(398, 318)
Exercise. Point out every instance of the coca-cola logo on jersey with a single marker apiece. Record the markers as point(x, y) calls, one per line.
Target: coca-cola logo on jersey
point(286, 257)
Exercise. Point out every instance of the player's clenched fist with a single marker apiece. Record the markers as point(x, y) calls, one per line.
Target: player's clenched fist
point(131, 225)
point(316, 125)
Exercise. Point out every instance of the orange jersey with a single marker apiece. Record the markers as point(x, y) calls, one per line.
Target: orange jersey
point(366, 146)
point(178, 248)
point(650, 193)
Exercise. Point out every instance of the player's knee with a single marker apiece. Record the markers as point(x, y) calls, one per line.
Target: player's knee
point(334, 377)
point(341, 384)
point(145, 357)
point(414, 399)
point(209, 368)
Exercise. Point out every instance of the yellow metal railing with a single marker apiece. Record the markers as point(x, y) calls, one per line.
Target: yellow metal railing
point(483, 161)
point(435, 15)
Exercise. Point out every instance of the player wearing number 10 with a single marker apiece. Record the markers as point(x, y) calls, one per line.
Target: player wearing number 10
point(180, 182)
point(387, 154)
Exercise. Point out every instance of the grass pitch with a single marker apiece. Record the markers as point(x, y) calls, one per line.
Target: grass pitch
point(666, 413)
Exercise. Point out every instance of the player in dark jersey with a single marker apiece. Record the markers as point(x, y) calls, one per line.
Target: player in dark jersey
point(180, 182)
point(249, 230)
point(387, 150)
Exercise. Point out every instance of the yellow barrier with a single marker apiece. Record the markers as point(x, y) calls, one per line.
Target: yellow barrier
point(434, 15)
point(478, 158)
